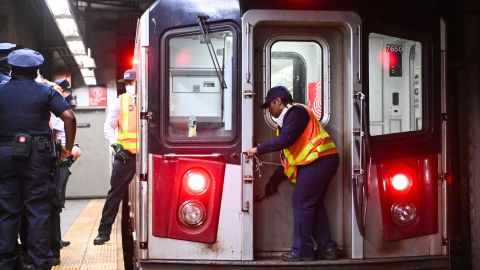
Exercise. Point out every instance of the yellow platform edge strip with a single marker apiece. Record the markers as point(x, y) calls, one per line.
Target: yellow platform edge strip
point(82, 254)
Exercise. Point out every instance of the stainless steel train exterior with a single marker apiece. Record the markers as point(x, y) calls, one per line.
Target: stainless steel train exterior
point(374, 79)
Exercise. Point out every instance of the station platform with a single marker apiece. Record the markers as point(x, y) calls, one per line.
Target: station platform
point(80, 220)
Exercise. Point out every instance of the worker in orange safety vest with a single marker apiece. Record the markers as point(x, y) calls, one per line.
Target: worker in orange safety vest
point(310, 159)
point(122, 115)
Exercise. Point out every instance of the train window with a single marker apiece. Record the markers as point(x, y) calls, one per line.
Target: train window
point(201, 102)
point(395, 84)
point(297, 65)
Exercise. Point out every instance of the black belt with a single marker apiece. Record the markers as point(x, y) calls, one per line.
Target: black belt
point(7, 141)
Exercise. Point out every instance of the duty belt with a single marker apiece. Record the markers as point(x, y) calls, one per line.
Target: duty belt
point(37, 140)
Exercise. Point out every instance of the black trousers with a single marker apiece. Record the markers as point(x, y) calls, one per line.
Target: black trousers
point(25, 189)
point(309, 214)
point(122, 175)
point(58, 202)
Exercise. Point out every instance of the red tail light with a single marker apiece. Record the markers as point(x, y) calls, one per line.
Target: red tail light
point(134, 61)
point(187, 195)
point(408, 195)
point(196, 181)
point(401, 182)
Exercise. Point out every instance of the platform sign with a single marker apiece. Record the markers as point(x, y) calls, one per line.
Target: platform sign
point(97, 96)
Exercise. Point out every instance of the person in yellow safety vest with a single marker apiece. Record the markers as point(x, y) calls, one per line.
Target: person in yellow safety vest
point(310, 159)
point(122, 115)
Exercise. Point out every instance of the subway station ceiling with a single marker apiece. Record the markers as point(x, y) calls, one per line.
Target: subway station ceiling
point(109, 28)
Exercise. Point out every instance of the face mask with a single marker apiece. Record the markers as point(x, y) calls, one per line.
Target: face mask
point(130, 89)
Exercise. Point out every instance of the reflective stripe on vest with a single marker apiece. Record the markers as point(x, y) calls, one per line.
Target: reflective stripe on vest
point(127, 124)
point(313, 143)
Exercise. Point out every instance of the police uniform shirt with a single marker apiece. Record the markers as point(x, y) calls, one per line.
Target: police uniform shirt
point(4, 77)
point(294, 123)
point(25, 106)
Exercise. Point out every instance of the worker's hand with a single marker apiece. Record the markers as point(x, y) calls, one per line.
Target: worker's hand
point(120, 152)
point(251, 152)
point(76, 152)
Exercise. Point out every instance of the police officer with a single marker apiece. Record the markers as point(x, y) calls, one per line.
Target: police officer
point(61, 175)
point(122, 115)
point(26, 158)
point(5, 49)
point(309, 159)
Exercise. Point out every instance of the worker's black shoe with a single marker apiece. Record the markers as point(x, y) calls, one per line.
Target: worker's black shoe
point(292, 257)
point(54, 261)
point(101, 239)
point(328, 254)
point(64, 243)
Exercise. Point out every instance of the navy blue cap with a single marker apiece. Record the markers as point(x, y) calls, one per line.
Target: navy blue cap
point(25, 58)
point(274, 92)
point(5, 46)
point(64, 84)
point(130, 75)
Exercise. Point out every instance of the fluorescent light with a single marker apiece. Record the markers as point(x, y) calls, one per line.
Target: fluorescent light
point(89, 62)
point(59, 7)
point(80, 59)
point(76, 47)
point(86, 72)
point(60, 10)
point(90, 80)
point(84, 61)
point(68, 27)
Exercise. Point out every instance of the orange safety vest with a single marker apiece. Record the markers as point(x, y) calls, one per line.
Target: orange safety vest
point(312, 144)
point(127, 123)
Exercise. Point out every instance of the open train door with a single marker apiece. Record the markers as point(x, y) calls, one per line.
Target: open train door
point(315, 54)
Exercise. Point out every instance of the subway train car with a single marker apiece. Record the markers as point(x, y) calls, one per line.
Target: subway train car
point(373, 74)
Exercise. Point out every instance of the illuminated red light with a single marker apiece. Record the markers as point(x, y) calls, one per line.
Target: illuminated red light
point(134, 61)
point(196, 181)
point(388, 59)
point(183, 59)
point(401, 182)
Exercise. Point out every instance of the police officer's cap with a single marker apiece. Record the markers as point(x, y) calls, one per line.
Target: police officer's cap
point(5, 46)
point(129, 75)
point(25, 58)
point(64, 84)
point(274, 92)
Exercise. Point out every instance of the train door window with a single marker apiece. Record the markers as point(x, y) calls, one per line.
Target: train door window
point(299, 66)
point(395, 84)
point(201, 103)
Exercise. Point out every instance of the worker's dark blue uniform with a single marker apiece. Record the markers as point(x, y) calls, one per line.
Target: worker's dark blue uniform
point(310, 217)
point(26, 185)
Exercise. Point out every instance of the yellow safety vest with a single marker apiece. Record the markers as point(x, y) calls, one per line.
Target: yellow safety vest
point(312, 144)
point(127, 123)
